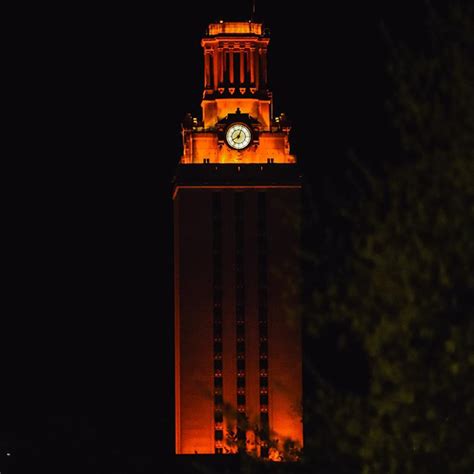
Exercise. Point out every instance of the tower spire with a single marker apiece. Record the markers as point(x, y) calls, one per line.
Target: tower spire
point(253, 9)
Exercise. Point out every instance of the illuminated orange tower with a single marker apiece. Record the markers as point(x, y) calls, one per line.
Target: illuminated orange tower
point(237, 351)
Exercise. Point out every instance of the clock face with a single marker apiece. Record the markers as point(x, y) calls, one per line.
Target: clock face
point(238, 136)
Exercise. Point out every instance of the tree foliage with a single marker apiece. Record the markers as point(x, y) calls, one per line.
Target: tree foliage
point(406, 289)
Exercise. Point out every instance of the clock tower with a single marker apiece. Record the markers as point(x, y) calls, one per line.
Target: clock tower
point(238, 364)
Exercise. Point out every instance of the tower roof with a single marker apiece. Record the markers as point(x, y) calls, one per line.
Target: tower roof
point(235, 28)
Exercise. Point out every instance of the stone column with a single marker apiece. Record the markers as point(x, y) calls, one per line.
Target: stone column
point(231, 66)
point(216, 68)
point(252, 65)
point(207, 76)
point(264, 67)
point(257, 68)
point(221, 66)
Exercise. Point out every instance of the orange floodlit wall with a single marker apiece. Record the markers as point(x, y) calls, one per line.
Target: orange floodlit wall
point(272, 148)
point(195, 395)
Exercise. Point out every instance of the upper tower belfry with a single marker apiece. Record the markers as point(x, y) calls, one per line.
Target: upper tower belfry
point(235, 70)
point(237, 123)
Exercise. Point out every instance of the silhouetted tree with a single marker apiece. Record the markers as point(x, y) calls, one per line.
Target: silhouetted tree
point(405, 291)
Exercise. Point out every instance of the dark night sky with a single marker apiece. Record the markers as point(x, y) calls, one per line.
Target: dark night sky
point(92, 319)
